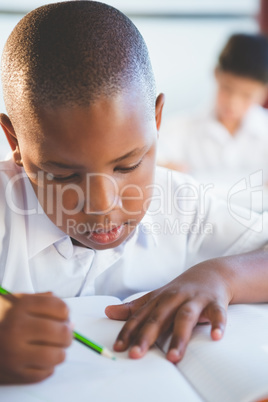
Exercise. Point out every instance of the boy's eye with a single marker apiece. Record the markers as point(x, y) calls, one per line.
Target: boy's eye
point(128, 169)
point(52, 177)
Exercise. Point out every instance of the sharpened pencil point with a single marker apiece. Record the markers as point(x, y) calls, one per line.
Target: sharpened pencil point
point(105, 352)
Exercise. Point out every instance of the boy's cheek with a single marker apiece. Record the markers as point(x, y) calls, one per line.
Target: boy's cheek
point(132, 200)
point(60, 200)
point(70, 199)
point(136, 201)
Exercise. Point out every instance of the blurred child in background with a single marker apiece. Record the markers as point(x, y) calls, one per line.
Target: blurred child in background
point(233, 134)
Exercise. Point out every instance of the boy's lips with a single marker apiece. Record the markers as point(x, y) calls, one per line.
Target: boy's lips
point(106, 237)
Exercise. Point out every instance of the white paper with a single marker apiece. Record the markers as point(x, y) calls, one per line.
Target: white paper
point(234, 369)
point(87, 376)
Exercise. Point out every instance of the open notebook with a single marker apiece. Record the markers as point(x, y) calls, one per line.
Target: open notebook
point(234, 369)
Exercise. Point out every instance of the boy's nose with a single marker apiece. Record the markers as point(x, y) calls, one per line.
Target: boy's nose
point(102, 195)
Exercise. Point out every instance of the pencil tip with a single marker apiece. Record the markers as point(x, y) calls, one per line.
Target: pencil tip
point(105, 352)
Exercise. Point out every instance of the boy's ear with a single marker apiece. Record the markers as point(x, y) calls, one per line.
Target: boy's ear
point(11, 137)
point(159, 103)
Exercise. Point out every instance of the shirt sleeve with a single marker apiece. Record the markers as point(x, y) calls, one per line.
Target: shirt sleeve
point(225, 229)
point(211, 226)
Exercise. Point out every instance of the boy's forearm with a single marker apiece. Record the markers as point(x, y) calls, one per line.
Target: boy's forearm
point(246, 275)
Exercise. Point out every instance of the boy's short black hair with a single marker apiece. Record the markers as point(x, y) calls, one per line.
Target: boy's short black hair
point(71, 53)
point(246, 55)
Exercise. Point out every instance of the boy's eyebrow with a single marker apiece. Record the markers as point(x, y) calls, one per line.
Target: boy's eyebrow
point(134, 152)
point(61, 165)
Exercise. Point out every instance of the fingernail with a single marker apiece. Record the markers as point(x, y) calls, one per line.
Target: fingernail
point(173, 355)
point(217, 334)
point(135, 352)
point(119, 345)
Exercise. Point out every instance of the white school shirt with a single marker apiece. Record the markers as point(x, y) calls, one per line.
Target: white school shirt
point(202, 143)
point(177, 231)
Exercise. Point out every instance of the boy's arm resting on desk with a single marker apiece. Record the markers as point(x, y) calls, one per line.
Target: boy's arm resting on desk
point(34, 332)
point(200, 294)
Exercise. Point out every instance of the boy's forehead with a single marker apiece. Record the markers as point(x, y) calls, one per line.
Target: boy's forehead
point(239, 80)
point(118, 123)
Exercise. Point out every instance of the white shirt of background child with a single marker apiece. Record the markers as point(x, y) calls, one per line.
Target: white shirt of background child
point(202, 143)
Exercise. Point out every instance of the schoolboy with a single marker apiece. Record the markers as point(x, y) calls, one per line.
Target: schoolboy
point(81, 210)
point(231, 134)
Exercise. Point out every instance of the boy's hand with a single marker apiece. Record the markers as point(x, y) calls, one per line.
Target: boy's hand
point(200, 294)
point(34, 332)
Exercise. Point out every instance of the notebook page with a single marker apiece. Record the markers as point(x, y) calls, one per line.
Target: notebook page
point(234, 369)
point(87, 376)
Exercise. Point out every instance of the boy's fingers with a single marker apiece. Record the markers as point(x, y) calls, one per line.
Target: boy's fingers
point(118, 312)
point(43, 330)
point(131, 327)
point(32, 375)
point(124, 311)
point(43, 357)
point(26, 375)
point(45, 305)
point(33, 357)
point(159, 320)
point(217, 315)
point(143, 328)
point(185, 320)
point(145, 338)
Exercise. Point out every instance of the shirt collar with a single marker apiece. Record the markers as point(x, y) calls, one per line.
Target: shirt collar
point(255, 122)
point(41, 231)
point(146, 231)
